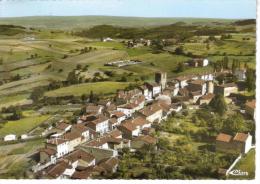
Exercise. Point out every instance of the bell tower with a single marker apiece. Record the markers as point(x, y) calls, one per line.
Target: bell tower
point(161, 78)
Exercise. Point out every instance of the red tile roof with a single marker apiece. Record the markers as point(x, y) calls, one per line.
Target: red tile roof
point(207, 96)
point(80, 155)
point(72, 135)
point(48, 151)
point(62, 126)
point(80, 128)
point(85, 174)
point(115, 133)
point(100, 119)
point(198, 82)
point(56, 141)
point(224, 137)
point(240, 137)
point(57, 170)
point(251, 104)
point(150, 110)
point(109, 163)
point(146, 138)
point(118, 114)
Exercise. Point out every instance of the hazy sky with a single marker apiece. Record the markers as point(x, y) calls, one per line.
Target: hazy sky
point(139, 8)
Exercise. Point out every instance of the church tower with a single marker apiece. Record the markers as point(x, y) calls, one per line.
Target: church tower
point(161, 78)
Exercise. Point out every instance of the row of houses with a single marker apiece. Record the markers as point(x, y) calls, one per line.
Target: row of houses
point(109, 126)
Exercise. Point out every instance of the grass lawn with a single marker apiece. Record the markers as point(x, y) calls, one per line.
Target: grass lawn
point(246, 164)
point(97, 88)
point(28, 147)
point(22, 126)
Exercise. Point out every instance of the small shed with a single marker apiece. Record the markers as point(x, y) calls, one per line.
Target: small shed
point(10, 137)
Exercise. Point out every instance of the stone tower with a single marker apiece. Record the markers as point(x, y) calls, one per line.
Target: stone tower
point(210, 87)
point(161, 78)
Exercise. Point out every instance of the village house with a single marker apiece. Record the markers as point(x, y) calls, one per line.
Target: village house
point(124, 97)
point(81, 174)
point(61, 170)
point(135, 104)
point(168, 109)
point(133, 127)
point(206, 99)
point(80, 158)
point(47, 155)
point(74, 139)
point(116, 118)
point(142, 140)
point(174, 87)
point(183, 81)
point(226, 89)
point(109, 164)
point(240, 143)
point(152, 113)
point(210, 86)
point(100, 124)
point(94, 109)
point(194, 96)
point(240, 74)
point(61, 146)
point(145, 91)
point(115, 134)
point(98, 143)
point(154, 88)
point(197, 85)
point(199, 62)
point(63, 127)
point(250, 108)
point(10, 137)
point(83, 130)
point(206, 76)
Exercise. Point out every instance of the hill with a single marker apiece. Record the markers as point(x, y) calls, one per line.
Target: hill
point(11, 30)
point(71, 22)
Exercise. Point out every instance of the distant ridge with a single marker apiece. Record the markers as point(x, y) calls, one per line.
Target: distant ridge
point(70, 22)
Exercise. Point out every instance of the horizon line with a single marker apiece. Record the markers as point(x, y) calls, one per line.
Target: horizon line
point(127, 17)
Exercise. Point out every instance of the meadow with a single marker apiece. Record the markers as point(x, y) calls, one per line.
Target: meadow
point(22, 126)
point(104, 88)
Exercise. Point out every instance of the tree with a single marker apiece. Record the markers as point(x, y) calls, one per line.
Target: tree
point(72, 78)
point(36, 94)
point(220, 78)
point(123, 79)
point(218, 104)
point(16, 77)
point(92, 97)
point(16, 115)
point(250, 79)
point(79, 67)
point(180, 67)
point(234, 123)
point(83, 97)
point(225, 62)
point(179, 50)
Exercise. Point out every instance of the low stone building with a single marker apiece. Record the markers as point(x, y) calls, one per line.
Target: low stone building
point(226, 89)
point(250, 108)
point(240, 143)
point(152, 113)
point(206, 99)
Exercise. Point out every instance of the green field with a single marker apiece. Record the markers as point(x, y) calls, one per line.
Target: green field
point(97, 88)
point(246, 164)
point(22, 126)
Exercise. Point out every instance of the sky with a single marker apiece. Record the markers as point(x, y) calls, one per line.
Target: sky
point(134, 8)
